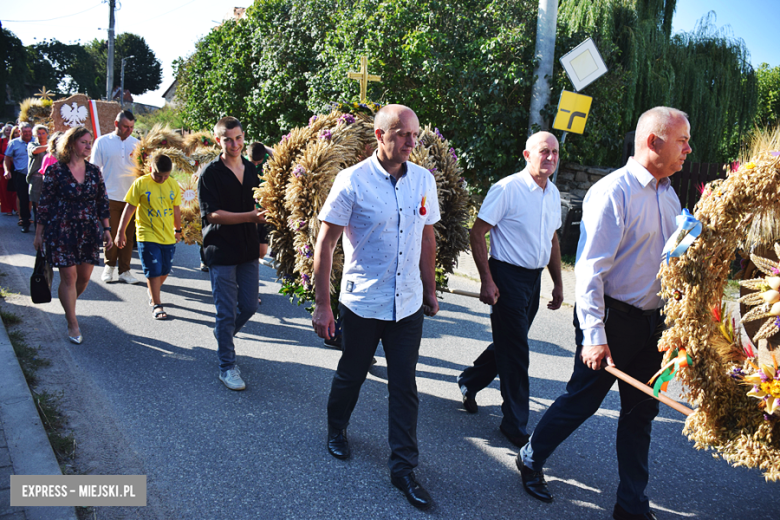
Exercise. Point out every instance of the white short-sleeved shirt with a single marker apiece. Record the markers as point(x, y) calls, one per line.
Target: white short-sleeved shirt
point(383, 228)
point(524, 218)
point(112, 156)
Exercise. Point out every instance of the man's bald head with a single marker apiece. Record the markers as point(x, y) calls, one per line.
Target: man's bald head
point(396, 128)
point(656, 121)
point(537, 137)
point(541, 154)
point(390, 116)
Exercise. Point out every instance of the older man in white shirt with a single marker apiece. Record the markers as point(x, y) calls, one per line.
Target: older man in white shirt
point(111, 153)
point(521, 212)
point(386, 207)
point(627, 218)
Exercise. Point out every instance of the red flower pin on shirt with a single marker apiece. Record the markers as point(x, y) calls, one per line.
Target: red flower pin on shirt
point(423, 211)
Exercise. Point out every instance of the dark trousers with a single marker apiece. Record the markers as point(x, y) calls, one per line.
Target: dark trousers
point(633, 343)
point(20, 182)
point(401, 342)
point(507, 357)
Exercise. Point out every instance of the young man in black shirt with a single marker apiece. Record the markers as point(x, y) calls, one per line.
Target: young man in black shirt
point(230, 243)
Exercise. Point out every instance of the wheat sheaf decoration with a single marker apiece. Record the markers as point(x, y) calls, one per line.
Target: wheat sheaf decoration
point(187, 155)
point(298, 178)
point(734, 384)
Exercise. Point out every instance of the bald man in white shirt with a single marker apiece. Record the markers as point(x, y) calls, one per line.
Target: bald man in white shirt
point(386, 207)
point(521, 212)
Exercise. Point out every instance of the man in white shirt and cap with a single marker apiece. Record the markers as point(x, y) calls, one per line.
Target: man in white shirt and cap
point(111, 153)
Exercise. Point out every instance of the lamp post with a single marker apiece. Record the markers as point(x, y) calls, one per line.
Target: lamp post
point(122, 86)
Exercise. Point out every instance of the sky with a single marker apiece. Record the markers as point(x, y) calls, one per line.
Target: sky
point(171, 27)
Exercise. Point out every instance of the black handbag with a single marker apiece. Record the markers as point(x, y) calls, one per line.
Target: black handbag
point(40, 281)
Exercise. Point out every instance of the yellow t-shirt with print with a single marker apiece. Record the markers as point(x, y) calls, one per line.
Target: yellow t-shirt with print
point(154, 204)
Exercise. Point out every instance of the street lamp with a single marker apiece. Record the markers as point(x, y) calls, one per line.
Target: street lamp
point(122, 86)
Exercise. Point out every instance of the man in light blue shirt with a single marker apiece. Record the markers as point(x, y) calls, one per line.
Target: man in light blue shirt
point(627, 218)
point(16, 172)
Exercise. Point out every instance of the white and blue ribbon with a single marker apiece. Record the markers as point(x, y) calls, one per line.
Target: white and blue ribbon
point(688, 229)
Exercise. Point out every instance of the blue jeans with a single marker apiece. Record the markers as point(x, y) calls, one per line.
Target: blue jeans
point(633, 343)
point(508, 357)
point(235, 291)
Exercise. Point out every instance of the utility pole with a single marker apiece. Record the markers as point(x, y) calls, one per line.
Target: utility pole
point(110, 64)
point(545, 53)
point(122, 82)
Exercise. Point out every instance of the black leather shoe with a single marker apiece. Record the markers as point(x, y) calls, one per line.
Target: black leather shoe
point(338, 445)
point(470, 403)
point(621, 514)
point(518, 440)
point(334, 342)
point(533, 482)
point(415, 493)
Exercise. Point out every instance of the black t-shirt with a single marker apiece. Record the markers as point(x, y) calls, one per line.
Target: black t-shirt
point(218, 189)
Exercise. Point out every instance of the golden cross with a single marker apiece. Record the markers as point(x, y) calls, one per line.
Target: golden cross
point(44, 94)
point(363, 77)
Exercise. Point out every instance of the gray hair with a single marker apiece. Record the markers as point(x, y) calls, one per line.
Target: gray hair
point(655, 121)
point(24, 125)
point(38, 127)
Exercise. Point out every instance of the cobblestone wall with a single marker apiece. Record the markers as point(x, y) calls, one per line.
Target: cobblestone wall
point(577, 179)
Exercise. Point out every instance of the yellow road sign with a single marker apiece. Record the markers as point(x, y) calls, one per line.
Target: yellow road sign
point(572, 112)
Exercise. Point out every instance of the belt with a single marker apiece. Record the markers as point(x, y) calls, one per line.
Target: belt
point(634, 312)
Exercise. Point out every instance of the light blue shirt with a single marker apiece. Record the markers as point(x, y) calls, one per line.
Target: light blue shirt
point(383, 229)
point(17, 151)
point(625, 223)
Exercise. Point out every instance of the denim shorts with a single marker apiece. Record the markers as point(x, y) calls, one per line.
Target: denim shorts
point(156, 259)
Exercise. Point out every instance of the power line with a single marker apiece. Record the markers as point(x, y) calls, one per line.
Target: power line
point(52, 19)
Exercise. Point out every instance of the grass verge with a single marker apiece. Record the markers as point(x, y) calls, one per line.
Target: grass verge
point(62, 442)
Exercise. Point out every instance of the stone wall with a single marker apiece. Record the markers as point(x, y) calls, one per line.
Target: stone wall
point(577, 179)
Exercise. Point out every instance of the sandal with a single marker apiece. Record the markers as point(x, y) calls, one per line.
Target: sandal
point(159, 313)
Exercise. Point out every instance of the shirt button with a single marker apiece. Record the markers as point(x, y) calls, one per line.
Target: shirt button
point(398, 295)
point(399, 274)
point(400, 253)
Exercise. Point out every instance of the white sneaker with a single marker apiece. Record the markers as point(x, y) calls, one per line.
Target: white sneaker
point(108, 273)
point(127, 277)
point(232, 379)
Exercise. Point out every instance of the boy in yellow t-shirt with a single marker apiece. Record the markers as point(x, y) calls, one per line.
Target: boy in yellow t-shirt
point(157, 225)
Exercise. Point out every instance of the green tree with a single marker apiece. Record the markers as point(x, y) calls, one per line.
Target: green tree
point(256, 68)
point(13, 71)
point(143, 72)
point(69, 63)
point(465, 66)
point(768, 109)
point(706, 73)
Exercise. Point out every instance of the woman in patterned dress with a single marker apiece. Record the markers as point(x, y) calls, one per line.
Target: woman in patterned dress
point(73, 220)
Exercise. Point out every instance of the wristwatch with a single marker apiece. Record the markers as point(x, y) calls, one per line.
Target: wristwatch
point(177, 230)
point(107, 229)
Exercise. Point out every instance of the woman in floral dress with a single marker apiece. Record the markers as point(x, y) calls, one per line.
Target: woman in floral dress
point(73, 220)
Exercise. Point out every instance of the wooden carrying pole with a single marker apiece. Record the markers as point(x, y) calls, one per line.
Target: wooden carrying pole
point(614, 371)
point(646, 389)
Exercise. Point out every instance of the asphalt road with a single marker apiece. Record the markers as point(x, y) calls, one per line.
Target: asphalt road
point(142, 397)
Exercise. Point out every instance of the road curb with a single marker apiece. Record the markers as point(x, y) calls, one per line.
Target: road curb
point(28, 444)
